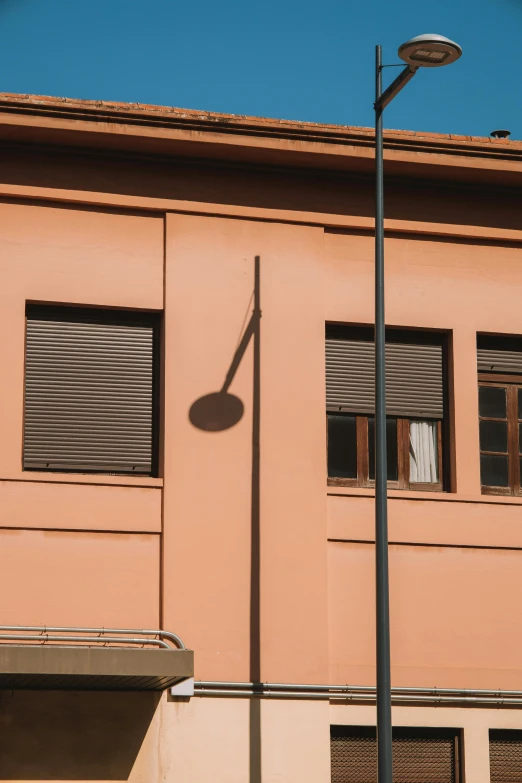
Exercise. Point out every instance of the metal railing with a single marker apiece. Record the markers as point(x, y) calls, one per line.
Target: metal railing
point(80, 636)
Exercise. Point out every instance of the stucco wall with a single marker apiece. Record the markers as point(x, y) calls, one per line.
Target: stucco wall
point(208, 513)
point(453, 600)
point(90, 551)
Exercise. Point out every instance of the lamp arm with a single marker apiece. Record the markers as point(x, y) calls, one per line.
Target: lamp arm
point(396, 86)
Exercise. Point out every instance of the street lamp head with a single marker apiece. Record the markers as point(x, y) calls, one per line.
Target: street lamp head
point(429, 51)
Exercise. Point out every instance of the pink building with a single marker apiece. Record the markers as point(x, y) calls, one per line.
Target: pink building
point(186, 422)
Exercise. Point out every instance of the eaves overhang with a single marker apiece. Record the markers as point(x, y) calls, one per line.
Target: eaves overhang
point(164, 131)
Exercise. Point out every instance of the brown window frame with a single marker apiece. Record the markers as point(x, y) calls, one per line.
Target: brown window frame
point(512, 383)
point(403, 458)
point(408, 335)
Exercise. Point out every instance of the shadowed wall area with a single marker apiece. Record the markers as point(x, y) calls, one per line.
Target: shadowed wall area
point(72, 735)
point(309, 190)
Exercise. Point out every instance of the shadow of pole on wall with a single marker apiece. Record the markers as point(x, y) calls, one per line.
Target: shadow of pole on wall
point(216, 412)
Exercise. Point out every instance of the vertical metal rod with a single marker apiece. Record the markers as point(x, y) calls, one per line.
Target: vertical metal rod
point(384, 718)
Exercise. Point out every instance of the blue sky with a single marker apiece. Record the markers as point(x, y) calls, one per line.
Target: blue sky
point(298, 59)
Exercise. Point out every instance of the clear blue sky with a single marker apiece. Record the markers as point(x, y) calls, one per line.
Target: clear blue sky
point(298, 59)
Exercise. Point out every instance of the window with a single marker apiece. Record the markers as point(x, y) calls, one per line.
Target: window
point(90, 389)
point(423, 755)
point(505, 755)
point(500, 414)
point(414, 402)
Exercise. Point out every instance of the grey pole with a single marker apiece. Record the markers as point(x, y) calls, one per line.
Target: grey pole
point(384, 718)
point(408, 52)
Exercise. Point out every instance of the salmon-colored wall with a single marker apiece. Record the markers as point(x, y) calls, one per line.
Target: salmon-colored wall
point(52, 253)
point(91, 579)
point(455, 616)
point(316, 620)
point(208, 475)
point(68, 506)
point(74, 256)
point(454, 604)
point(181, 235)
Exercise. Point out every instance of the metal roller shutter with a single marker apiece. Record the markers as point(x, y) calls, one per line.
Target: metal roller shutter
point(88, 394)
point(414, 378)
point(419, 755)
point(494, 360)
point(505, 756)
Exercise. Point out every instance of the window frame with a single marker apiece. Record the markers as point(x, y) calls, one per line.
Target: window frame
point(107, 315)
point(408, 335)
point(403, 457)
point(512, 383)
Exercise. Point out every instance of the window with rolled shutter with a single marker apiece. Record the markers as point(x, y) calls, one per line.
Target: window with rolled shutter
point(505, 756)
point(415, 406)
point(90, 387)
point(420, 755)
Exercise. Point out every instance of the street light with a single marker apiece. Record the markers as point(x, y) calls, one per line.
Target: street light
point(429, 51)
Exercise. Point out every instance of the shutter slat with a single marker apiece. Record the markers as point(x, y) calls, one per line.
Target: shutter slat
point(88, 396)
point(414, 378)
point(491, 360)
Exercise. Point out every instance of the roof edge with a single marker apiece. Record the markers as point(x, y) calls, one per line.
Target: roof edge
point(216, 122)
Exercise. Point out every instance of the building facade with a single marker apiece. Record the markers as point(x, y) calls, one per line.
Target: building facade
point(186, 422)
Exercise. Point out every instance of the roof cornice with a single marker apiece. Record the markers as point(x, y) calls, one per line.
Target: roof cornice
point(131, 127)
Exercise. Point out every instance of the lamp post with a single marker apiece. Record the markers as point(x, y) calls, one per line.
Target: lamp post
point(423, 51)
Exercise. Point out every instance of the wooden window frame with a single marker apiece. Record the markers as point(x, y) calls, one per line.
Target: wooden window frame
point(512, 383)
point(403, 458)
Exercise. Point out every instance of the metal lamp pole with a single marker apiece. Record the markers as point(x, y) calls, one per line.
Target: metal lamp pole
point(426, 50)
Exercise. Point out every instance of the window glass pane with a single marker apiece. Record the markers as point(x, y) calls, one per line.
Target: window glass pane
point(494, 470)
point(391, 448)
point(493, 436)
point(424, 460)
point(492, 402)
point(520, 439)
point(342, 446)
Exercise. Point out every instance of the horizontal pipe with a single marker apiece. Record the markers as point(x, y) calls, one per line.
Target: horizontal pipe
point(171, 637)
point(351, 688)
point(358, 693)
point(265, 694)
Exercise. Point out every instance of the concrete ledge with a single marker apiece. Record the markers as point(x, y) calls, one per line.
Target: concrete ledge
point(50, 667)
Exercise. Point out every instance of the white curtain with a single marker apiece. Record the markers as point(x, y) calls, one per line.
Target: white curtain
point(423, 451)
